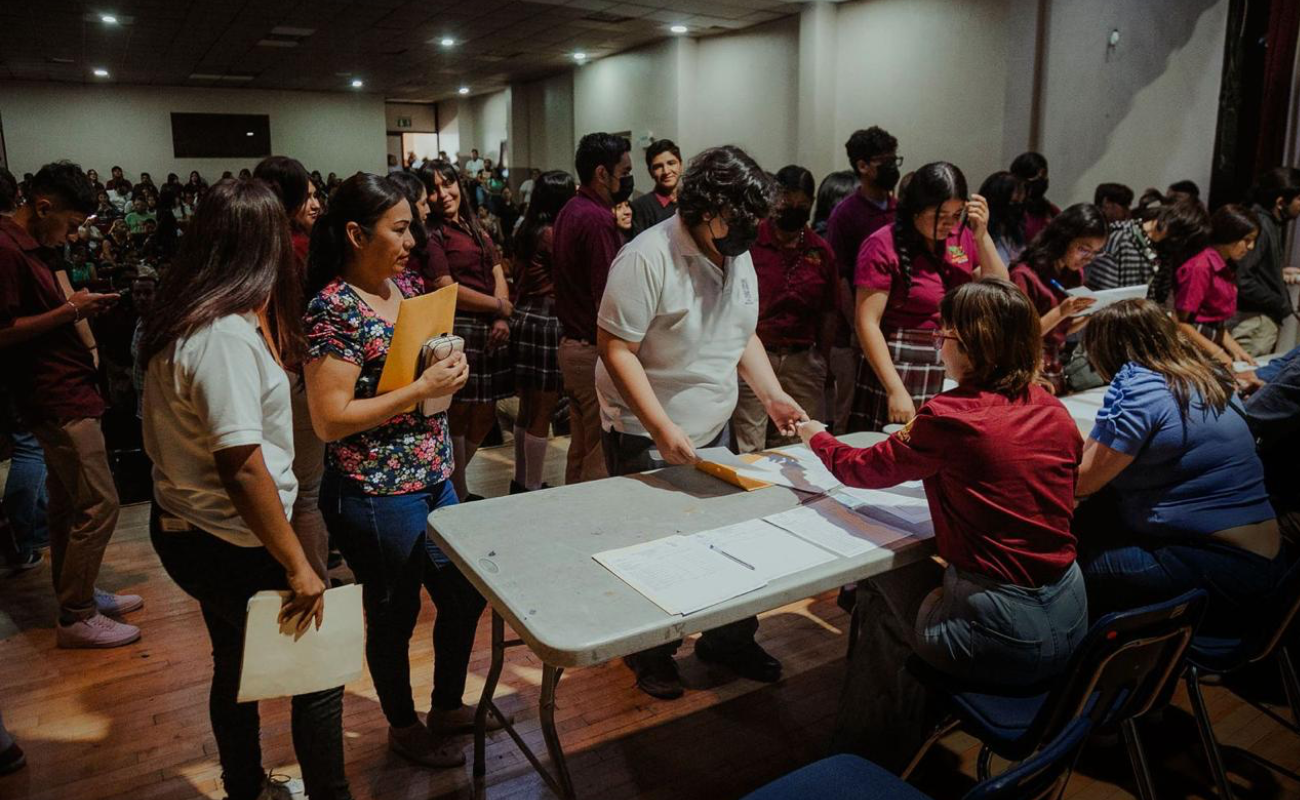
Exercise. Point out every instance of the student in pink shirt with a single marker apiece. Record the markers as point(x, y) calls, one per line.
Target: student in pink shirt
point(1205, 286)
point(938, 240)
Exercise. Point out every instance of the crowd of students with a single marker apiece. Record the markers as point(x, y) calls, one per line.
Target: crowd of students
point(728, 306)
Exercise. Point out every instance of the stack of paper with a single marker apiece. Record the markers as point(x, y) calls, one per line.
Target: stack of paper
point(827, 524)
point(768, 550)
point(1107, 297)
point(902, 506)
point(279, 662)
point(795, 467)
point(680, 574)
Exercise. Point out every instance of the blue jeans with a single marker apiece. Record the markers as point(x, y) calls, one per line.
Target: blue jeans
point(25, 495)
point(383, 539)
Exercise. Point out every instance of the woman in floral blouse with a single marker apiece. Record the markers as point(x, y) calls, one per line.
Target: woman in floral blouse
point(386, 468)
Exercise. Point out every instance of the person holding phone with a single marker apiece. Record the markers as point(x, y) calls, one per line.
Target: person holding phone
point(939, 240)
point(56, 385)
point(386, 464)
point(218, 425)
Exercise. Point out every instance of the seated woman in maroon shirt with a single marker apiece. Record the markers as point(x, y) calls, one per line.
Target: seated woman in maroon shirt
point(902, 272)
point(1052, 264)
point(1205, 286)
point(998, 457)
point(461, 252)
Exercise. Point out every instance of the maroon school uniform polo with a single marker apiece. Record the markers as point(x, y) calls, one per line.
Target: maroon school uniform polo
point(584, 242)
point(917, 306)
point(797, 287)
point(999, 474)
point(453, 251)
point(851, 222)
point(1207, 287)
point(52, 376)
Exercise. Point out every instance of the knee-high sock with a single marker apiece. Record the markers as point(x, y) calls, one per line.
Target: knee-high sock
point(458, 471)
point(535, 448)
point(521, 457)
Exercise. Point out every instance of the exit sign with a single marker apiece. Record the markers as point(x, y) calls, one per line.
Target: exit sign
point(403, 122)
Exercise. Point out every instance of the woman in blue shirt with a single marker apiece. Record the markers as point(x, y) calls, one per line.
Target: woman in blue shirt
point(1185, 505)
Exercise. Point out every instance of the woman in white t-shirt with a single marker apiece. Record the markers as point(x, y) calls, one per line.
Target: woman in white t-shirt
point(218, 426)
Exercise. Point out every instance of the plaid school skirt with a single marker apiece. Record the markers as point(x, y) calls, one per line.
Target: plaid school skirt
point(491, 376)
point(535, 345)
point(1212, 330)
point(919, 366)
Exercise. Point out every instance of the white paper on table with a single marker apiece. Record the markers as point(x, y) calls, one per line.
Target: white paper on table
point(772, 552)
point(795, 467)
point(1107, 297)
point(828, 524)
point(720, 455)
point(900, 504)
point(679, 574)
point(279, 663)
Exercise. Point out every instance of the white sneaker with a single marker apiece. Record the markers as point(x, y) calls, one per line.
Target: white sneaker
point(98, 631)
point(115, 605)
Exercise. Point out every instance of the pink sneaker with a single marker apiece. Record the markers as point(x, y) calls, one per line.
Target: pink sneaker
point(98, 631)
point(115, 605)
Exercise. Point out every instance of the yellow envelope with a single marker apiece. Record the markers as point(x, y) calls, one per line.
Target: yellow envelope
point(729, 474)
point(419, 319)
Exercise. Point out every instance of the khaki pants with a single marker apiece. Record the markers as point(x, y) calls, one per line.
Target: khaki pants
point(1257, 335)
point(578, 366)
point(803, 376)
point(82, 511)
point(308, 468)
point(844, 366)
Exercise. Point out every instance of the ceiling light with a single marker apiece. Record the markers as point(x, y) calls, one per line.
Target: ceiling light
point(108, 19)
point(100, 72)
point(250, 133)
point(579, 56)
point(356, 83)
point(463, 90)
point(679, 29)
point(447, 42)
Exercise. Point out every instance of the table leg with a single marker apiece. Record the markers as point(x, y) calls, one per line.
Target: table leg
point(489, 690)
point(546, 709)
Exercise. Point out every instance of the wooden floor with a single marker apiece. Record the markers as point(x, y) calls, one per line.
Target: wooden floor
point(132, 723)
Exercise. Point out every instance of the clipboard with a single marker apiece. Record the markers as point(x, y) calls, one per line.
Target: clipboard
point(419, 319)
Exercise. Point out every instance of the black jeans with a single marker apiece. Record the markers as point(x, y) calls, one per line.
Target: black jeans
point(222, 577)
point(382, 537)
point(628, 454)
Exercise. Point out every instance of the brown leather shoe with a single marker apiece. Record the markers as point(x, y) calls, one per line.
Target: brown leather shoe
point(416, 744)
point(460, 721)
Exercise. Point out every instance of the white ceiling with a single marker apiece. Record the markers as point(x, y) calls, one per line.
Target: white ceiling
point(322, 45)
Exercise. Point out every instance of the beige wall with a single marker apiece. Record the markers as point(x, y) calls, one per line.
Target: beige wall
point(99, 126)
point(422, 117)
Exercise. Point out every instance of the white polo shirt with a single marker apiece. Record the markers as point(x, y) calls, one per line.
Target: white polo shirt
point(217, 388)
point(692, 320)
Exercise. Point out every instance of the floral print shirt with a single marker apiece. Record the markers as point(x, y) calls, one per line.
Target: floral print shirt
point(409, 452)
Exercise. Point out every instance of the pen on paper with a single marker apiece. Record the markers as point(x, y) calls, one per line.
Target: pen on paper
point(733, 558)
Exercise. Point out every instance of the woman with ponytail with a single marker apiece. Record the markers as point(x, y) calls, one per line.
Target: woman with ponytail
point(387, 466)
point(1051, 265)
point(461, 252)
point(939, 240)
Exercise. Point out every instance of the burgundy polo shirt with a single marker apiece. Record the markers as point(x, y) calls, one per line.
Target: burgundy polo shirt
point(797, 287)
point(454, 251)
point(999, 474)
point(850, 223)
point(585, 240)
point(53, 376)
point(1046, 297)
point(1207, 287)
point(878, 269)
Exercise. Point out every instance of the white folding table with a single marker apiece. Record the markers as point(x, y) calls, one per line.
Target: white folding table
point(530, 555)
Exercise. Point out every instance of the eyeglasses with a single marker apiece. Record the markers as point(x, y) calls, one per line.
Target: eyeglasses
point(881, 161)
point(1086, 254)
point(939, 336)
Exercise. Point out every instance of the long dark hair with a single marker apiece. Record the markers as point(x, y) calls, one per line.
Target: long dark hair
point(1231, 223)
point(1006, 218)
point(468, 215)
point(1186, 227)
point(413, 187)
point(834, 188)
point(1044, 253)
point(364, 199)
point(550, 192)
point(288, 178)
point(1026, 167)
point(1140, 332)
point(931, 186)
point(236, 257)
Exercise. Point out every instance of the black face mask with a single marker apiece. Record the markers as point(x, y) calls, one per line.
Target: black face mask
point(625, 185)
point(741, 234)
point(1037, 188)
point(793, 218)
point(886, 177)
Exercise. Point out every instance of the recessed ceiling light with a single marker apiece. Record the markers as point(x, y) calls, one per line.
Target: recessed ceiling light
point(579, 56)
point(100, 72)
point(250, 133)
point(356, 83)
point(679, 29)
point(108, 19)
point(463, 90)
point(448, 42)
